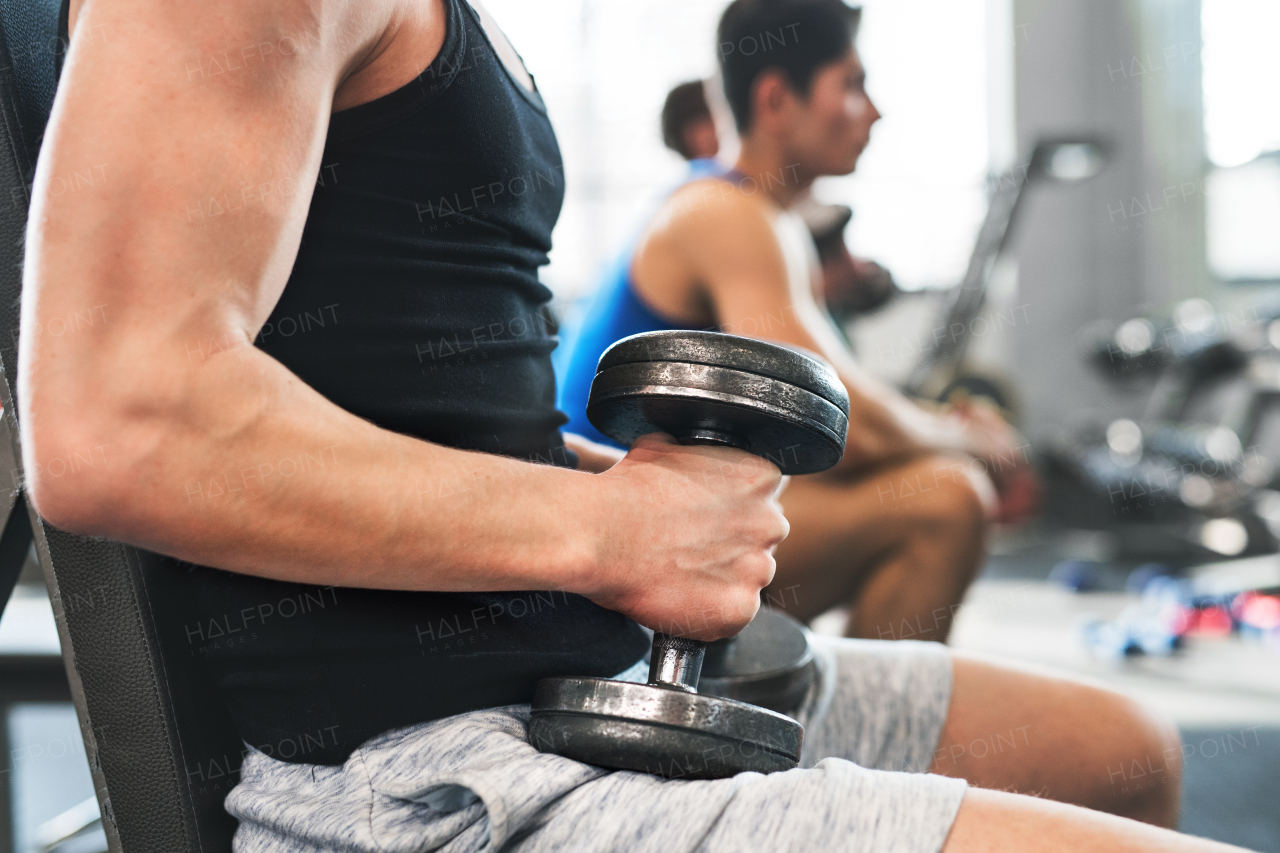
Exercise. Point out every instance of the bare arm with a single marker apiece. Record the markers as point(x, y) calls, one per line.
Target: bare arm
point(183, 446)
point(996, 822)
point(753, 262)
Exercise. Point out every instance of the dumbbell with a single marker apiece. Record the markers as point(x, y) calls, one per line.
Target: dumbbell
point(702, 388)
point(770, 664)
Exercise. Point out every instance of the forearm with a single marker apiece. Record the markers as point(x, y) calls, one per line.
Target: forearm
point(886, 427)
point(899, 425)
point(252, 471)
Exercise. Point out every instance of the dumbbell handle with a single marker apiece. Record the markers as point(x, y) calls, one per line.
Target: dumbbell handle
point(676, 662)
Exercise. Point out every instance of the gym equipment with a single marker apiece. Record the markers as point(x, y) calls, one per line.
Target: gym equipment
point(1194, 476)
point(1138, 579)
point(1258, 615)
point(1076, 575)
point(1052, 159)
point(851, 285)
point(769, 664)
point(714, 389)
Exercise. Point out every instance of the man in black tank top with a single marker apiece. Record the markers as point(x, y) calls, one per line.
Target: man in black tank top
point(325, 393)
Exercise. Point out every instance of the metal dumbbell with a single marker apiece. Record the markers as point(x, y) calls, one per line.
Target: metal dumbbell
point(770, 664)
point(702, 388)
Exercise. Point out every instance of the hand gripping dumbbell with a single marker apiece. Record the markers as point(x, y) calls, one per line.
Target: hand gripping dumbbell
point(702, 388)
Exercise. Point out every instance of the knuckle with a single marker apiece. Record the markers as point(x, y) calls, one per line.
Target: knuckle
point(770, 567)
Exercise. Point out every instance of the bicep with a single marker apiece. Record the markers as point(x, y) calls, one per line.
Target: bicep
point(178, 166)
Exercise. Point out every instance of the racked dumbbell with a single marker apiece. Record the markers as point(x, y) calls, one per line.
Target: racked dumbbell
point(702, 388)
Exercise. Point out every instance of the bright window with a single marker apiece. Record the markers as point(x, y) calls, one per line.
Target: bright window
point(919, 192)
point(1241, 79)
point(1241, 71)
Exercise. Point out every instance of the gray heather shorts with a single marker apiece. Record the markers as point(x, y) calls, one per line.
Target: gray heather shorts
point(473, 782)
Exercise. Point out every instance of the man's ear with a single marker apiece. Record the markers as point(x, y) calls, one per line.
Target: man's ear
point(771, 95)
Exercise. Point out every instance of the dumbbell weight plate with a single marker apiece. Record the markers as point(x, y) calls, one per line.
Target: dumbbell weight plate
point(654, 730)
point(786, 404)
point(790, 364)
point(796, 429)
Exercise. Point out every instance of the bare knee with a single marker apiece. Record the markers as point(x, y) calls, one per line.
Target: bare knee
point(1076, 742)
point(1143, 760)
point(959, 510)
point(1161, 800)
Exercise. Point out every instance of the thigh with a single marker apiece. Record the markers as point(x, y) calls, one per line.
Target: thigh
point(920, 707)
point(842, 527)
point(878, 704)
point(999, 822)
point(473, 783)
point(836, 806)
point(1022, 730)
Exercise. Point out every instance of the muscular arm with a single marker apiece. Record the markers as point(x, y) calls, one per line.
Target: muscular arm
point(130, 436)
point(179, 142)
point(753, 263)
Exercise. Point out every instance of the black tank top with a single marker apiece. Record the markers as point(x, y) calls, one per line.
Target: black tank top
point(415, 303)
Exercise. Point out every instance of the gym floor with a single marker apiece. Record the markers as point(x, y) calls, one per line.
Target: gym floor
point(1223, 693)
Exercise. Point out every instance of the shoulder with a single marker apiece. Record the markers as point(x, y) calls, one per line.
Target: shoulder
point(715, 197)
point(716, 210)
point(723, 237)
point(281, 17)
point(245, 38)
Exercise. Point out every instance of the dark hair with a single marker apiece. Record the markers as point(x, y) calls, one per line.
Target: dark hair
point(685, 104)
point(797, 37)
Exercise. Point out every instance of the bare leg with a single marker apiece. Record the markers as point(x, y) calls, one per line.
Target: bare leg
point(996, 822)
point(900, 546)
point(1022, 731)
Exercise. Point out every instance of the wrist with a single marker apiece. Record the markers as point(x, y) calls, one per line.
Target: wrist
point(591, 521)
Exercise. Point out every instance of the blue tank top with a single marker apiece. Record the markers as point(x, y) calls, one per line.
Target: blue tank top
point(616, 312)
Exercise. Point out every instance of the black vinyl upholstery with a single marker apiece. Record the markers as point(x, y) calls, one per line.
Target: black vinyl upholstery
point(161, 747)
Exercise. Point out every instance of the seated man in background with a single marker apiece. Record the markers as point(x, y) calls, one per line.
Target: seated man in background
point(896, 530)
point(850, 285)
point(687, 125)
